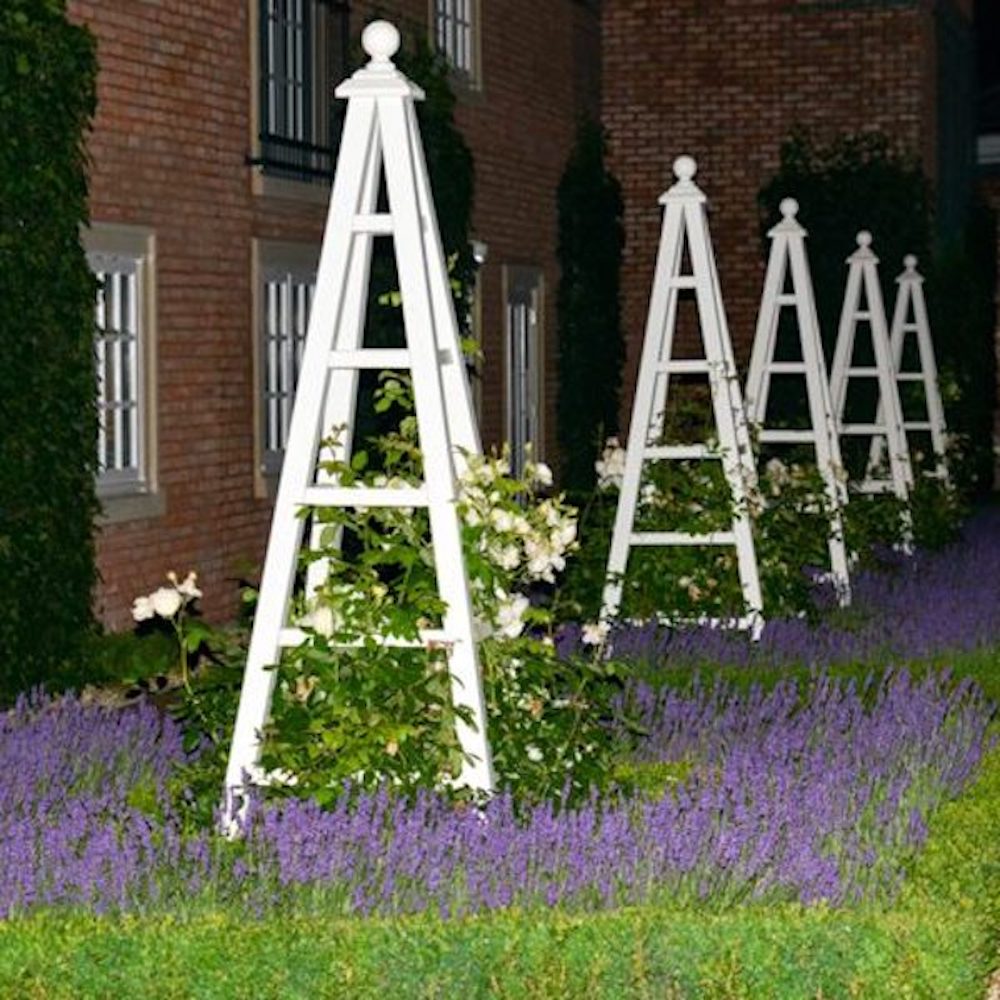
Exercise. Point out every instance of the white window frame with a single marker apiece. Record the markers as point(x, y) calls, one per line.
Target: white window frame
point(523, 364)
point(284, 285)
point(455, 34)
point(124, 257)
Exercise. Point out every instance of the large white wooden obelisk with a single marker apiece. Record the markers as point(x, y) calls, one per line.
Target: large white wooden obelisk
point(863, 281)
point(380, 136)
point(685, 222)
point(910, 301)
point(788, 260)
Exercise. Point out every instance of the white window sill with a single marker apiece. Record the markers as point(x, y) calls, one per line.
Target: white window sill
point(118, 508)
point(281, 187)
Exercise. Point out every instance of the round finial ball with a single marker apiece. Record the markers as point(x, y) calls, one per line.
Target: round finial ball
point(380, 40)
point(909, 262)
point(864, 238)
point(789, 207)
point(685, 168)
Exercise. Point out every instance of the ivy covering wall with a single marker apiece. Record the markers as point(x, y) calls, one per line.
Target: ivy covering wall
point(591, 348)
point(47, 383)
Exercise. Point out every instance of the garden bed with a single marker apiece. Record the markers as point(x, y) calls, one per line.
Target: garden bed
point(814, 816)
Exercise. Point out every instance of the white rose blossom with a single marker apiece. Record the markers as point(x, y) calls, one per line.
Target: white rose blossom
point(510, 613)
point(142, 609)
point(595, 633)
point(610, 467)
point(166, 601)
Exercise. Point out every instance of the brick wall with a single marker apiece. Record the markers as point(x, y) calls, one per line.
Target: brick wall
point(168, 151)
point(726, 81)
point(540, 70)
point(173, 129)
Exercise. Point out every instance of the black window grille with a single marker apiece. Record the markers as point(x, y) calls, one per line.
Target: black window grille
point(302, 57)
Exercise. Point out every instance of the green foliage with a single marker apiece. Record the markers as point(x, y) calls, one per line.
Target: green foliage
point(374, 713)
point(451, 171)
point(960, 300)
point(47, 387)
point(791, 515)
point(857, 182)
point(591, 347)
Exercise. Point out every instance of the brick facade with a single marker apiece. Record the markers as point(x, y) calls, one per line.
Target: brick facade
point(726, 81)
point(169, 146)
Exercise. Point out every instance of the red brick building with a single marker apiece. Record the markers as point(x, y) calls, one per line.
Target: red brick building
point(728, 80)
point(209, 186)
point(210, 178)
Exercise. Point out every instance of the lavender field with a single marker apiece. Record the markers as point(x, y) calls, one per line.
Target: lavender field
point(944, 601)
point(817, 789)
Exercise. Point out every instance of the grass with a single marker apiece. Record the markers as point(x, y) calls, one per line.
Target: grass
point(938, 941)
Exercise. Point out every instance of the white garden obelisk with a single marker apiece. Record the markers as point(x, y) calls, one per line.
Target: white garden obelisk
point(910, 301)
point(788, 260)
point(380, 134)
point(685, 221)
point(862, 280)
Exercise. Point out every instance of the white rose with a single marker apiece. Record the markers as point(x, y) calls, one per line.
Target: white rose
point(564, 536)
point(320, 620)
point(510, 614)
point(142, 609)
point(594, 633)
point(543, 474)
point(166, 601)
point(502, 520)
point(188, 586)
point(610, 467)
point(510, 557)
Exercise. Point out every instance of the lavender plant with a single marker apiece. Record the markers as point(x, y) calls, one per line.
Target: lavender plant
point(349, 706)
point(904, 609)
point(812, 793)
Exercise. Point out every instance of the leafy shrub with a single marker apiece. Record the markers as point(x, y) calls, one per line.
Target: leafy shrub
point(47, 385)
point(375, 713)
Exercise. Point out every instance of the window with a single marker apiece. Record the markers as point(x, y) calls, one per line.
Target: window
point(456, 36)
point(301, 57)
point(523, 364)
point(284, 300)
point(122, 258)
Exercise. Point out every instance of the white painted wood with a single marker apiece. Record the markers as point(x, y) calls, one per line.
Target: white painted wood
point(910, 300)
point(685, 219)
point(863, 282)
point(788, 259)
point(380, 132)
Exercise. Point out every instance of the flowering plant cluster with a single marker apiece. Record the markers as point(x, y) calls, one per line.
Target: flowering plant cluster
point(905, 608)
point(172, 605)
point(791, 510)
point(815, 793)
point(351, 707)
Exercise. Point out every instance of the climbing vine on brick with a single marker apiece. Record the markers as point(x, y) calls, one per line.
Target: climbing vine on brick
point(47, 384)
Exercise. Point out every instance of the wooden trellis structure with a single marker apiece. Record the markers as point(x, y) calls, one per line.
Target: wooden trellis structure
point(380, 137)
point(685, 223)
point(788, 261)
point(910, 302)
point(863, 284)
